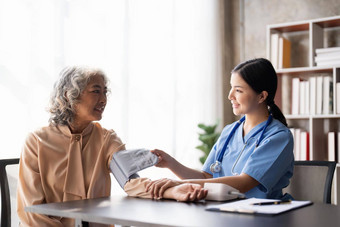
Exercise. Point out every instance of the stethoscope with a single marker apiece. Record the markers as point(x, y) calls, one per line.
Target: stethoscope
point(217, 165)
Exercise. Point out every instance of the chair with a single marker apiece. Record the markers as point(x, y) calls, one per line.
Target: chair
point(312, 180)
point(5, 196)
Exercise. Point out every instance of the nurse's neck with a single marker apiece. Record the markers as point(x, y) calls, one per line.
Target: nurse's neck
point(253, 119)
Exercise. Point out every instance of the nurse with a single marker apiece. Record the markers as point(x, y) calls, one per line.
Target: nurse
point(254, 154)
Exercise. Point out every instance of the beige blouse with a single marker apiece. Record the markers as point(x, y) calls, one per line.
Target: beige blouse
point(57, 166)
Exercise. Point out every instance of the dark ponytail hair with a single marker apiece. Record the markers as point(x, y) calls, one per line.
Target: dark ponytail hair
point(260, 75)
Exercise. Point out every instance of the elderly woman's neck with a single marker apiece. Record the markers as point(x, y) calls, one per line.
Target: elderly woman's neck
point(78, 127)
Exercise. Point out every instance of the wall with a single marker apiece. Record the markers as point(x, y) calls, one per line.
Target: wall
point(254, 16)
point(259, 13)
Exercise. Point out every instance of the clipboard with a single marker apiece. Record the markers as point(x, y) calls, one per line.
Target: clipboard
point(246, 206)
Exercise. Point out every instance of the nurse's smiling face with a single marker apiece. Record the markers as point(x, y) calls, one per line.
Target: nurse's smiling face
point(243, 98)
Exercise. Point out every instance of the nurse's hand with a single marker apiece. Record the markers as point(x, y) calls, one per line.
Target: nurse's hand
point(157, 187)
point(186, 192)
point(164, 159)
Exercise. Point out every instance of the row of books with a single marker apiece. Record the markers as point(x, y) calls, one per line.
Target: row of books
point(280, 51)
point(301, 144)
point(312, 96)
point(333, 146)
point(327, 56)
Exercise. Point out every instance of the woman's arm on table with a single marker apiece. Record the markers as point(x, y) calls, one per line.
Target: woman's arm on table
point(182, 192)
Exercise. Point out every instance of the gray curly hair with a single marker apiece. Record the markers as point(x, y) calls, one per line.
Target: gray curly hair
point(66, 92)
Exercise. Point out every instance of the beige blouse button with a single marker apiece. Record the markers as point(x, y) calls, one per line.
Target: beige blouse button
point(77, 137)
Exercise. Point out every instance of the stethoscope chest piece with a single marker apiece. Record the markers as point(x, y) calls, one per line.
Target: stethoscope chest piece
point(216, 167)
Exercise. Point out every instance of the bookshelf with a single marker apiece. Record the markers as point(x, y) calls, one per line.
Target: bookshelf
point(306, 38)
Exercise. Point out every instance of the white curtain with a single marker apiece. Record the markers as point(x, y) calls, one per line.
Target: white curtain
point(163, 59)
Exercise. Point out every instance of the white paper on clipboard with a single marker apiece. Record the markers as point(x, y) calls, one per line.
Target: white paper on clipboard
point(246, 206)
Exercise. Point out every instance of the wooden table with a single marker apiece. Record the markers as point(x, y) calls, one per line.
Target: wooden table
point(128, 211)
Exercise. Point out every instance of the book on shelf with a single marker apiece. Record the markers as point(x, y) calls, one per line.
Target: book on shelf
point(312, 99)
point(284, 53)
point(300, 98)
point(327, 102)
point(274, 51)
point(328, 63)
point(331, 100)
point(307, 97)
point(327, 56)
point(304, 146)
point(327, 50)
point(338, 147)
point(332, 140)
point(304, 97)
point(292, 130)
point(301, 144)
point(297, 141)
point(280, 52)
point(313, 96)
point(338, 97)
point(286, 94)
point(324, 58)
point(319, 94)
point(295, 95)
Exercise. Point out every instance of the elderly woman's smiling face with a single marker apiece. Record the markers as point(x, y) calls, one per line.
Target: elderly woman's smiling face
point(92, 102)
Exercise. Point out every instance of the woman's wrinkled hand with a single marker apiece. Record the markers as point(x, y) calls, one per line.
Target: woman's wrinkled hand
point(189, 192)
point(157, 187)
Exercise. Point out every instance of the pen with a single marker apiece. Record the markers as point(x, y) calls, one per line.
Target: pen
point(272, 203)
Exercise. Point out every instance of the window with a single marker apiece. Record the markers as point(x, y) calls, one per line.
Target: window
point(162, 57)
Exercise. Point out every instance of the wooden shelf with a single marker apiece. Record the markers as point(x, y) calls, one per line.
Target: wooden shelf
point(314, 69)
point(291, 27)
point(305, 25)
point(313, 34)
point(321, 116)
point(328, 22)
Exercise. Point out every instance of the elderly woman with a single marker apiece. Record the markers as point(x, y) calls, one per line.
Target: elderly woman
point(69, 159)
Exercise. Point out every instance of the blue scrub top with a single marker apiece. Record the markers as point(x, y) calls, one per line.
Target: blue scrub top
point(271, 163)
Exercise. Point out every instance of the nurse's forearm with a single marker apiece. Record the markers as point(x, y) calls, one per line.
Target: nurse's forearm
point(184, 172)
point(243, 182)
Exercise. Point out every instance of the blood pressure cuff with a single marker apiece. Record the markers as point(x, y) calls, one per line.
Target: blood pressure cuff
point(126, 163)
